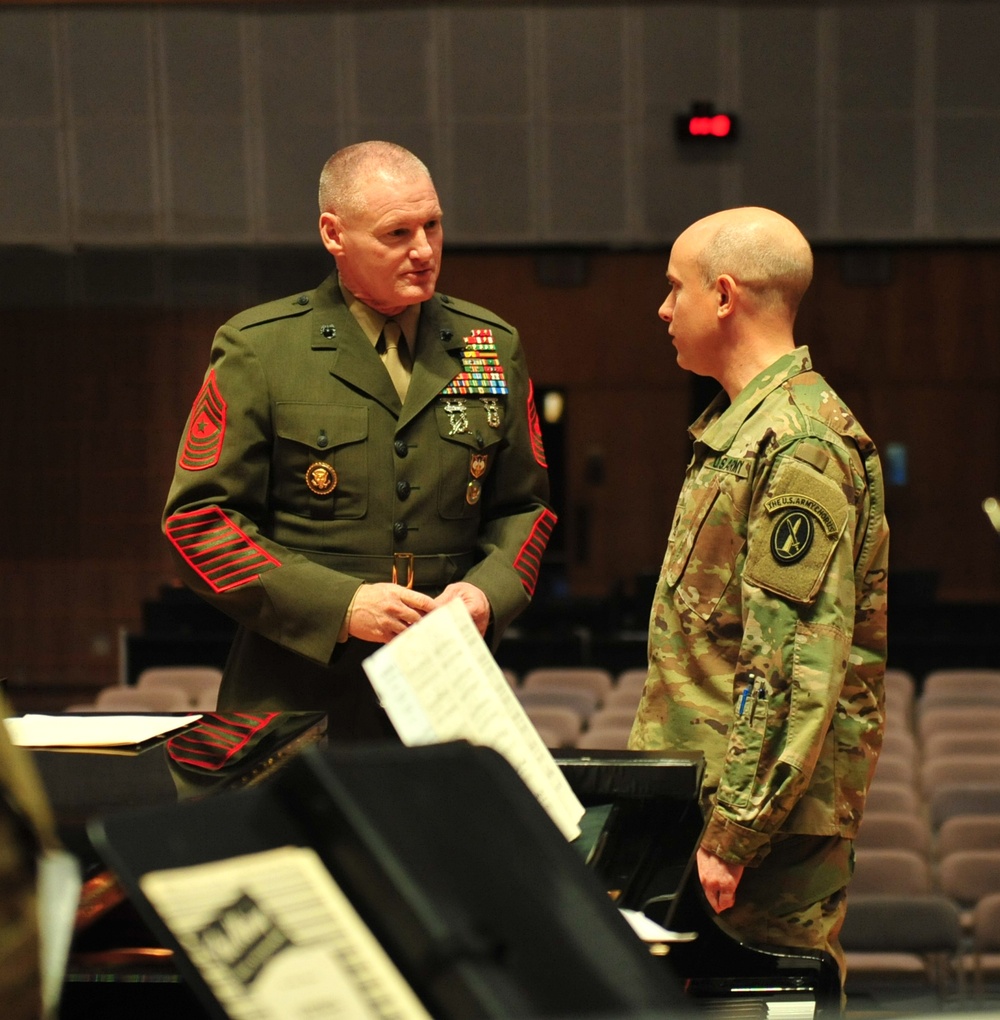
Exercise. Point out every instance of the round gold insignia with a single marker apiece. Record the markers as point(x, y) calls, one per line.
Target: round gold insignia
point(321, 478)
point(473, 492)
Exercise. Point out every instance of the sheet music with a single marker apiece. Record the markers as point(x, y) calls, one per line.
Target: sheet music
point(92, 730)
point(437, 681)
point(275, 938)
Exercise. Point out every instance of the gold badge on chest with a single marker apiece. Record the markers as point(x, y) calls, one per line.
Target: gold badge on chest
point(321, 478)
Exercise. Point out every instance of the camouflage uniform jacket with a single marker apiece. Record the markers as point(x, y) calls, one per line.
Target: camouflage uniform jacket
point(767, 637)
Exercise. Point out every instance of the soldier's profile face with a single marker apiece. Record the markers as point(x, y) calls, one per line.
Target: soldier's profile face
point(389, 251)
point(690, 309)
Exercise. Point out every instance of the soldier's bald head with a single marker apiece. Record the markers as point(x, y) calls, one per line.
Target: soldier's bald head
point(760, 249)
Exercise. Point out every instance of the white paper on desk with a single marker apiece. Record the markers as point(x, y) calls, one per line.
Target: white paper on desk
point(92, 730)
point(437, 681)
point(275, 938)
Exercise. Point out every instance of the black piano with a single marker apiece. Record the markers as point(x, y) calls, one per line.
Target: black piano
point(646, 825)
point(640, 832)
point(115, 964)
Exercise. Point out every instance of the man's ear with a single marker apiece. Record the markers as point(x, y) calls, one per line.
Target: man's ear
point(329, 231)
point(725, 289)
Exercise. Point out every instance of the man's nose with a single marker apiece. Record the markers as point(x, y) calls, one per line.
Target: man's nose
point(421, 248)
point(666, 312)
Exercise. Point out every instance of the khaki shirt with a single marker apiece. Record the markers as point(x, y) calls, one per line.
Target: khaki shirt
point(767, 636)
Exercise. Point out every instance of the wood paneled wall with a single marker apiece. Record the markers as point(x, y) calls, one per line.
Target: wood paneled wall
point(95, 401)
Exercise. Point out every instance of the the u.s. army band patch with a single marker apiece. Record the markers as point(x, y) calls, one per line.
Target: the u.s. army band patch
point(790, 545)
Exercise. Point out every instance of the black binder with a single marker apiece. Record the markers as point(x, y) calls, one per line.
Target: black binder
point(481, 903)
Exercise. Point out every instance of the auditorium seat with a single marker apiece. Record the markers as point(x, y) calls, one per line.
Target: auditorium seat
point(898, 797)
point(582, 702)
point(958, 719)
point(959, 770)
point(899, 871)
point(964, 799)
point(941, 745)
point(200, 683)
point(555, 722)
point(900, 693)
point(889, 830)
point(985, 941)
point(613, 714)
point(594, 680)
point(612, 736)
point(967, 876)
point(967, 832)
point(958, 687)
point(912, 937)
point(894, 768)
point(120, 698)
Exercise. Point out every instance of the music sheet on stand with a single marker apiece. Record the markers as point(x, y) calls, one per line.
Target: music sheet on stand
point(437, 681)
point(275, 938)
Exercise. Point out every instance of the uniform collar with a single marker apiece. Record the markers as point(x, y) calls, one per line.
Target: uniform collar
point(717, 426)
point(372, 321)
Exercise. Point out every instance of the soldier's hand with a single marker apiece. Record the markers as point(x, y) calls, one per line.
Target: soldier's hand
point(475, 601)
point(719, 879)
point(381, 611)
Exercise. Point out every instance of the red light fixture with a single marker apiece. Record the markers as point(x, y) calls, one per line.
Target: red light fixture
point(703, 124)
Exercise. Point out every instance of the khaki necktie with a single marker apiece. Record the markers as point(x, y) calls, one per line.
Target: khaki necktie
point(397, 356)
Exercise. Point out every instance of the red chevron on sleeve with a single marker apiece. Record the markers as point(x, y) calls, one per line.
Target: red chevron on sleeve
point(214, 741)
point(222, 555)
point(529, 559)
point(206, 429)
point(535, 429)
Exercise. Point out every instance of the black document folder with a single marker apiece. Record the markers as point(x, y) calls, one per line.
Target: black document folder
point(479, 901)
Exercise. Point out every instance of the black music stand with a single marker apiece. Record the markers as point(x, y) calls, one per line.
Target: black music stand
point(481, 903)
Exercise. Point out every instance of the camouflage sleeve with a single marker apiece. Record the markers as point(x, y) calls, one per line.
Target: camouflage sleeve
point(798, 597)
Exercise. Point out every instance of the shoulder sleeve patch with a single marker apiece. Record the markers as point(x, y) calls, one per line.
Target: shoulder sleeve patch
point(206, 429)
point(803, 517)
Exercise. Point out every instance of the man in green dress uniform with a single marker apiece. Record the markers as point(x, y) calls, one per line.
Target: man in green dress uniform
point(357, 455)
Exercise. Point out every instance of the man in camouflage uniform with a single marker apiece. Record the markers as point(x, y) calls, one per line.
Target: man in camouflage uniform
point(767, 637)
point(328, 495)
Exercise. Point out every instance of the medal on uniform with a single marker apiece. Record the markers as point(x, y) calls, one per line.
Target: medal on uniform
point(492, 406)
point(482, 373)
point(321, 478)
point(472, 492)
point(477, 464)
point(455, 409)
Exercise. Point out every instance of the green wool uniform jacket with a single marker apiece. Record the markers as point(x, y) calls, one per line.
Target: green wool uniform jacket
point(300, 476)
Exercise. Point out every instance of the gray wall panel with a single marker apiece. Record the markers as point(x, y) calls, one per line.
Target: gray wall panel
point(882, 200)
point(968, 55)
point(542, 124)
